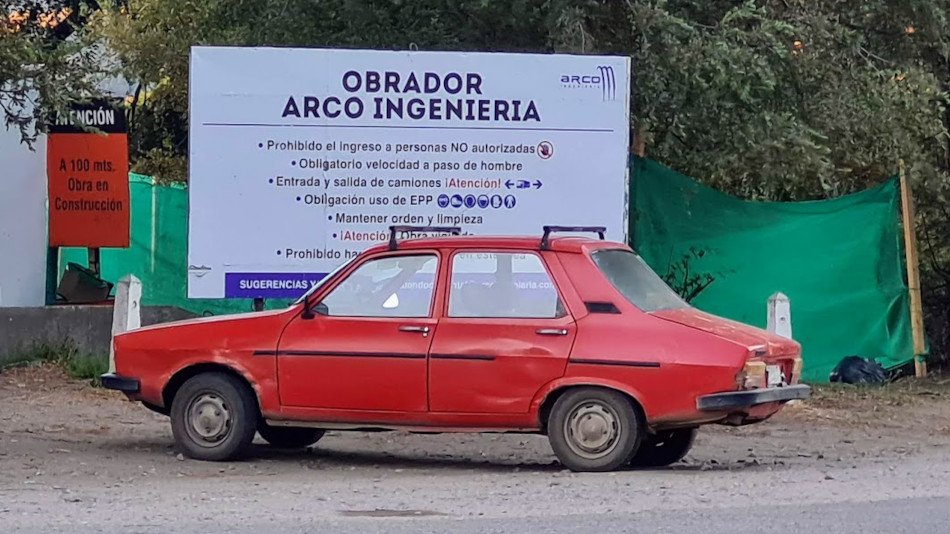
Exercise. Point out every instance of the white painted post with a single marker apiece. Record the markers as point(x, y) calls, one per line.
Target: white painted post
point(780, 315)
point(127, 314)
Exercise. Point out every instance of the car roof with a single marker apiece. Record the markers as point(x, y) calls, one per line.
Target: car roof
point(571, 244)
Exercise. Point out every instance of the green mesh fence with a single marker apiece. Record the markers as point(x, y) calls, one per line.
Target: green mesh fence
point(840, 262)
point(158, 254)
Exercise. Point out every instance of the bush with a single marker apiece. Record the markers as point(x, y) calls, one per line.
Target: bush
point(76, 364)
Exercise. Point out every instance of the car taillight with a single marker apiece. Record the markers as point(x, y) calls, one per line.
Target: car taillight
point(752, 376)
point(796, 370)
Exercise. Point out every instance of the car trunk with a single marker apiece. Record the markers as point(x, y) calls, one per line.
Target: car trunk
point(768, 347)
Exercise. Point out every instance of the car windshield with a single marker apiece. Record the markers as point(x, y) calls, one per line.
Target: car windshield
point(634, 279)
point(323, 281)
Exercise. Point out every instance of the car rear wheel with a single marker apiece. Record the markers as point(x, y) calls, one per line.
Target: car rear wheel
point(289, 437)
point(664, 448)
point(593, 429)
point(214, 417)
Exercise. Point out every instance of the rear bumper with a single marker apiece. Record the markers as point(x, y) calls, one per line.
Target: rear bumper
point(124, 384)
point(738, 400)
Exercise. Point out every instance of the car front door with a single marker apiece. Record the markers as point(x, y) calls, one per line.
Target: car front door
point(365, 346)
point(504, 334)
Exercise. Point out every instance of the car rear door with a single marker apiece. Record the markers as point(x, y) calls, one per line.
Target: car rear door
point(504, 334)
point(365, 347)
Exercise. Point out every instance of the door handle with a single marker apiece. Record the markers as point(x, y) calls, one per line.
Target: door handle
point(424, 330)
point(552, 331)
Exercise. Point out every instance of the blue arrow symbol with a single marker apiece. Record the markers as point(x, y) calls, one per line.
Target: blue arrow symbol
point(523, 184)
point(508, 184)
point(537, 184)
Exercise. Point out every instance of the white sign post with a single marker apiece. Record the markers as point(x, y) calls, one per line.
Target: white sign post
point(779, 315)
point(127, 311)
point(302, 158)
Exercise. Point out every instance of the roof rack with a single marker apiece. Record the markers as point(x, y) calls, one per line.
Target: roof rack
point(393, 230)
point(548, 230)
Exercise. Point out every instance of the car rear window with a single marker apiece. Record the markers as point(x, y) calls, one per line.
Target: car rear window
point(634, 279)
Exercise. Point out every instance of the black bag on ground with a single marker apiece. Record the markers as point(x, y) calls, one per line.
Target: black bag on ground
point(857, 370)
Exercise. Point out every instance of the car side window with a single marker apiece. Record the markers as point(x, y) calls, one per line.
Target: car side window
point(502, 285)
point(394, 286)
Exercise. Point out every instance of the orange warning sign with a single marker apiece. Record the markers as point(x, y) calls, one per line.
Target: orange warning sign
point(88, 179)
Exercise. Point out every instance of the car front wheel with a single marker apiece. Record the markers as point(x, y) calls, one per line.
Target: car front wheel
point(289, 437)
point(214, 417)
point(593, 429)
point(664, 448)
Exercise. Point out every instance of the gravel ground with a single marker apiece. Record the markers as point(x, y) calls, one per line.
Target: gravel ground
point(78, 459)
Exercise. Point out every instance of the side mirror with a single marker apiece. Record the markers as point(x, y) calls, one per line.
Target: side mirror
point(309, 311)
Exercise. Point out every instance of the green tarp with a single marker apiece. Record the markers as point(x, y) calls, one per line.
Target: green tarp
point(839, 261)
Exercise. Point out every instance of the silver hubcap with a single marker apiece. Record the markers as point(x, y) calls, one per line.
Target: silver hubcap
point(592, 430)
point(209, 419)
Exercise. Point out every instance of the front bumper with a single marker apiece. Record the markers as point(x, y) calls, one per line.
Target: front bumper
point(738, 400)
point(120, 383)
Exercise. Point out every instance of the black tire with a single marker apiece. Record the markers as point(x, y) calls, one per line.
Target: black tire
point(214, 417)
point(664, 448)
point(594, 429)
point(284, 437)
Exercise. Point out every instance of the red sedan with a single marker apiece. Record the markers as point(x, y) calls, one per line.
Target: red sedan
point(575, 338)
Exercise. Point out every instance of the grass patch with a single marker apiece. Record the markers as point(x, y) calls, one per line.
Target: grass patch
point(85, 366)
point(77, 364)
point(904, 391)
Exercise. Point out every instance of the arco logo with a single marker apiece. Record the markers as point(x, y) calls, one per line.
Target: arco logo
point(604, 79)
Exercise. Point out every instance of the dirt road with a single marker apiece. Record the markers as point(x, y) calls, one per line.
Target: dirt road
point(77, 459)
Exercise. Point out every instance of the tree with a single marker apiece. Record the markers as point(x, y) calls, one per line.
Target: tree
point(45, 63)
point(795, 100)
point(153, 38)
point(781, 100)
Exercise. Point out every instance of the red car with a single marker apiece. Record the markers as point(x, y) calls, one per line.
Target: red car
point(571, 337)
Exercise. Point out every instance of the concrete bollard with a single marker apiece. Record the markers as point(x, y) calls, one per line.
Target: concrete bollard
point(127, 314)
point(780, 315)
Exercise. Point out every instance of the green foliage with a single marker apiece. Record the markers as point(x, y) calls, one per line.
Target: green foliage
point(776, 102)
point(688, 283)
point(153, 38)
point(77, 364)
point(45, 62)
point(779, 100)
point(85, 366)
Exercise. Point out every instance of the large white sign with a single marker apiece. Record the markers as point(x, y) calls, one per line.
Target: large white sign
point(302, 158)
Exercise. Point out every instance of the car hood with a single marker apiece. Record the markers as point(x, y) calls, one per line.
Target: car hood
point(743, 334)
point(207, 321)
point(244, 332)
